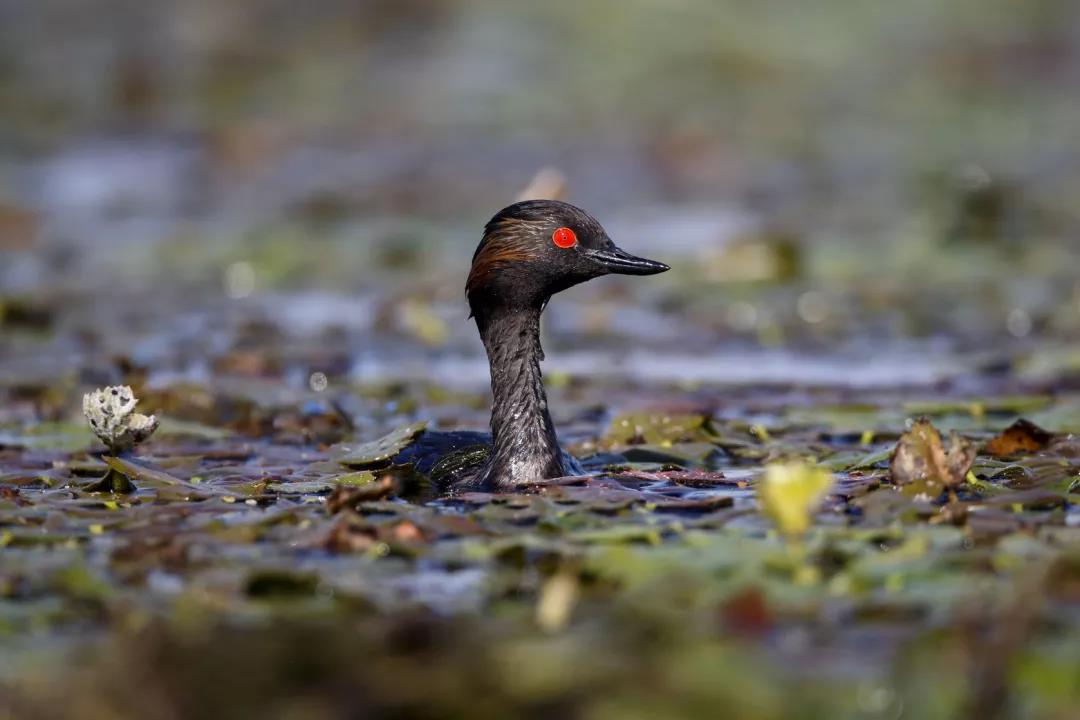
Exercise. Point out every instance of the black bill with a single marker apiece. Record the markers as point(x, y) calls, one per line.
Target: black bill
point(619, 261)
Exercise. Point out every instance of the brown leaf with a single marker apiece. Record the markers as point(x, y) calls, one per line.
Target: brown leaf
point(688, 478)
point(1023, 436)
point(345, 496)
point(922, 460)
point(12, 494)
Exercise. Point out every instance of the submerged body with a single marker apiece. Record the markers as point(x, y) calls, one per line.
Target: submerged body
point(455, 460)
point(530, 251)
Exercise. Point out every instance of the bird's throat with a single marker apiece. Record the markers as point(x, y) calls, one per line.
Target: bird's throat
point(525, 446)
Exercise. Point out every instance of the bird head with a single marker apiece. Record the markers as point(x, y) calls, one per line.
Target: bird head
point(534, 249)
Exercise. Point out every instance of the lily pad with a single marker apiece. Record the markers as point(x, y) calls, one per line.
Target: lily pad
point(380, 451)
point(658, 429)
point(157, 479)
point(314, 487)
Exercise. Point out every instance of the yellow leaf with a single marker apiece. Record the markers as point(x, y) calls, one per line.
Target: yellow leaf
point(790, 494)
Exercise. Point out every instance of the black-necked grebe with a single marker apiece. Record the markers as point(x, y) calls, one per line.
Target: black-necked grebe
point(530, 251)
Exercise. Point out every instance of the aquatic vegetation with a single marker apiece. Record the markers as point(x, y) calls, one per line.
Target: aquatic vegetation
point(857, 238)
point(265, 524)
point(1023, 436)
point(924, 465)
point(244, 549)
point(790, 494)
point(111, 414)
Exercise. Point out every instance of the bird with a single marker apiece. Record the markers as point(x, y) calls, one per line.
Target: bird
point(529, 251)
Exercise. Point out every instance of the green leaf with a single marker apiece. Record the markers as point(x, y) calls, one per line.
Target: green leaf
point(658, 429)
point(377, 452)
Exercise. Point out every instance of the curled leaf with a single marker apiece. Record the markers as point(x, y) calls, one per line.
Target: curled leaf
point(113, 481)
point(922, 460)
point(380, 451)
point(345, 496)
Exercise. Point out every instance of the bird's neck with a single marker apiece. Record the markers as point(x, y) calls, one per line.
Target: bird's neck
point(525, 446)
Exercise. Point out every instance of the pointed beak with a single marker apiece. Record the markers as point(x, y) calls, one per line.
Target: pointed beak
point(618, 261)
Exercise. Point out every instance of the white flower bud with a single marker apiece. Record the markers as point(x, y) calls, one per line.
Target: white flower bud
point(111, 414)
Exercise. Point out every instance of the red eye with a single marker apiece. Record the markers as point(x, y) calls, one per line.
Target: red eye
point(564, 237)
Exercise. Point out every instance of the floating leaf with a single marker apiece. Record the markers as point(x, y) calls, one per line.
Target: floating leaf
point(790, 494)
point(1023, 436)
point(309, 487)
point(658, 429)
point(871, 459)
point(161, 481)
point(302, 487)
point(114, 481)
point(355, 479)
point(689, 478)
point(378, 452)
point(345, 496)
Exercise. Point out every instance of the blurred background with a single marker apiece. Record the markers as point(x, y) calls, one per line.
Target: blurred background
point(260, 215)
point(855, 191)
